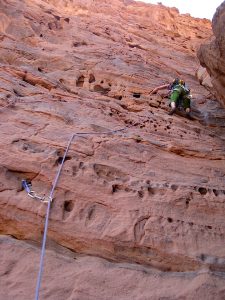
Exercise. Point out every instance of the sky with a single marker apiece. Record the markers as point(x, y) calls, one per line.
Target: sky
point(196, 8)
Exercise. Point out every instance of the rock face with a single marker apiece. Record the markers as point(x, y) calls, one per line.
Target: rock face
point(212, 54)
point(152, 194)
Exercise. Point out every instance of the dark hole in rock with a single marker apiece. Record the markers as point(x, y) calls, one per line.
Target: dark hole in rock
point(90, 213)
point(115, 188)
point(136, 95)
point(50, 26)
point(123, 106)
point(101, 90)
point(202, 257)
point(209, 227)
point(202, 191)
point(151, 190)
point(91, 78)
point(118, 97)
point(41, 35)
point(80, 81)
point(40, 70)
point(170, 220)
point(78, 44)
point(81, 165)
point(141, 194)
point(67, 20)
point(138, 139)
point(215, 192)
point(57, 17)
point(174, 187)
point(60, 159)
point(68, 206)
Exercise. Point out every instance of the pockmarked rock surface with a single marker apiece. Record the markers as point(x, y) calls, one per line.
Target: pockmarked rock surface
point(150, 196)
point(212, 53)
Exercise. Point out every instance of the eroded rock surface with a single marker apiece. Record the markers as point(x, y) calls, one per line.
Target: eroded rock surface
point(212, 54)
point(152, 194)
point(73, 276)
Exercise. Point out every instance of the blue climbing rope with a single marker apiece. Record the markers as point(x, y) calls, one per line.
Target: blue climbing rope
point(50, 200)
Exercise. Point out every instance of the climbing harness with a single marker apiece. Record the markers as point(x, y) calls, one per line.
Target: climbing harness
point(27, 188)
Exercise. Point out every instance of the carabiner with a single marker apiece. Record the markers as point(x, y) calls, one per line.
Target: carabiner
point(26, 186)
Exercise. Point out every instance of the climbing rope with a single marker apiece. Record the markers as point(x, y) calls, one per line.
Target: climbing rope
point(32, 194)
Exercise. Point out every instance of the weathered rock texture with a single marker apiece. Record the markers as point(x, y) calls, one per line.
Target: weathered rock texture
point(73, 276)
point(212, 54)
point(153, 194)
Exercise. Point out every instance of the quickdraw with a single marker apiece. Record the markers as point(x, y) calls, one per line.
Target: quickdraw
point(27, 187)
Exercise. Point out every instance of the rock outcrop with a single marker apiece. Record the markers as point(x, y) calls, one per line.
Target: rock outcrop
point(149, 199)
point(212, 54)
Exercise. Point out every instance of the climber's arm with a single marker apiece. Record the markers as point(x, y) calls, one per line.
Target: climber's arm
point(161, 87)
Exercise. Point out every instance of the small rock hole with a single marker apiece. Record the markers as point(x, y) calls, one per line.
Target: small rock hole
point(136, 95)
point(68, 206)
point(91, 78)
point(174, 187)
point(170, 220)
point(80, 81)
point(60, 159)
point(81, 165)
point(202, 191)
point(141, 194)
point(57, 17)
point(215, 192)
point(151, 190)
point(118, 98)
point(115, 188)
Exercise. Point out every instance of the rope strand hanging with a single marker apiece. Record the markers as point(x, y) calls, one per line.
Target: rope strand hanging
point(50, 197)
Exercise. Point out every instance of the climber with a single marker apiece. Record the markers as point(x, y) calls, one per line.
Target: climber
point(179, 95)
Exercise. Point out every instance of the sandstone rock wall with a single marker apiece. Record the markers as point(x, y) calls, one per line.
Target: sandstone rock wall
point(212, 54)
point(152, 194)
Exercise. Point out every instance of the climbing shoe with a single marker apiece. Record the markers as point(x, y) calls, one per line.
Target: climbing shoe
point(188, 116)
point(172, 111)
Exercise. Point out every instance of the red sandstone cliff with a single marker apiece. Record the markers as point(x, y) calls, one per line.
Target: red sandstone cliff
point(141, 211)
point(212, 54)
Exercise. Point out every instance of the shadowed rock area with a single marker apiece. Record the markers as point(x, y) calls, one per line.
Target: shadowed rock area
point(137, 214)
point(212, 54)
